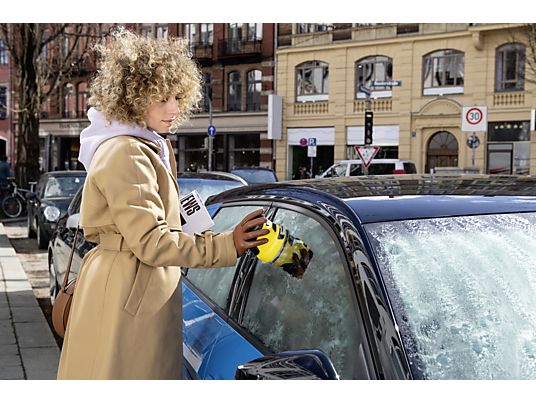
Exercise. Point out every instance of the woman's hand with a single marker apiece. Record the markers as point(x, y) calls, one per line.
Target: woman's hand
point(244, 238)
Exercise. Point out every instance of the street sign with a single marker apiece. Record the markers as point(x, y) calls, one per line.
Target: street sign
point(303, 142)
point(364, 89)
point(474, 118)
point(311, 149)
point(211, 131)
point(473, 141)
point(368, 127)
point(533, 120)
point(386, 83)
point(366, 154)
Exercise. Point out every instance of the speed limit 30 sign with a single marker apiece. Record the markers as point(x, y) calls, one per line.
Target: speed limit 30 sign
point(475, 118)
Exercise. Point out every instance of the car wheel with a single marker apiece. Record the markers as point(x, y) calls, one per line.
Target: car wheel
point(42, 239)
point(31, 233)
point(54, 287)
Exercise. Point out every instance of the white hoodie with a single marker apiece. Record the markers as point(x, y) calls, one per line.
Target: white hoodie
point(100, 130)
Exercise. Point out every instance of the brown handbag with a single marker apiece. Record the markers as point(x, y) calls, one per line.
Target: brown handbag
point(62, 304)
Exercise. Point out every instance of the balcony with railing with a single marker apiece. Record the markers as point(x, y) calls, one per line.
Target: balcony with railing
point(232, 48)
point(201, 51)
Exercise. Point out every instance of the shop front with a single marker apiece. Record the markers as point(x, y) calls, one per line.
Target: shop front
point(300, 165)
point(508, 147)
point(230, 150)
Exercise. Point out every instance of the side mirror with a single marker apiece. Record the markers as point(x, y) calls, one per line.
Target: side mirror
point(30, 196)
point(292, 365)
point(73, 221)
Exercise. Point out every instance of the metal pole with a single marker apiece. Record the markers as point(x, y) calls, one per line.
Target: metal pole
point(368, 108)
point(210, 138)
point(311, 176)
point(473, 149)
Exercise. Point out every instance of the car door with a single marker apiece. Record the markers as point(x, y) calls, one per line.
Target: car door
point(212, 348)
point(319, 311)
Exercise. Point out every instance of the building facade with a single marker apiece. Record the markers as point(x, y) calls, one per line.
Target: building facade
point(6, 140)
point(237, 62)
point(442, 68)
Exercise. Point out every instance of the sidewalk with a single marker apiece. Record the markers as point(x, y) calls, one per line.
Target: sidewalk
point(28, 350)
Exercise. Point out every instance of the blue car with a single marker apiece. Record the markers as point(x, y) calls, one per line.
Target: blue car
point(411, 277)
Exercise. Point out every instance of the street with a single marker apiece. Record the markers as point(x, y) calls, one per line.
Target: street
point(34, 263)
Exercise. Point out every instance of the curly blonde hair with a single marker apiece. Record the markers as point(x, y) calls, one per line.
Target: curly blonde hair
point(136, 71)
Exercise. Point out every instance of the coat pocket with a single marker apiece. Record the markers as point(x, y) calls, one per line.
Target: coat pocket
point(139, 287)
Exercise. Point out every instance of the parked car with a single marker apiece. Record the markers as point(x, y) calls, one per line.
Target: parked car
point(411, 277)
point(52, 196)
point(207, 183)
point(255, 175)
point(354, 167)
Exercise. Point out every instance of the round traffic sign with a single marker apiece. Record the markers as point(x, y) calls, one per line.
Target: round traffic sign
point(211, 130)
point(303, 142)
point(473, 141)
point(474, 116)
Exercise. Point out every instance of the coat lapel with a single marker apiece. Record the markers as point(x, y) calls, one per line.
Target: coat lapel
point(172, 162)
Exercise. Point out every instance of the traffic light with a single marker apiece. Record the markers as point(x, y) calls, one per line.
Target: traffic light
point(368, 127)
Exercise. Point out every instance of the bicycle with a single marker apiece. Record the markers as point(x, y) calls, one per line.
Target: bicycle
point(13, 204)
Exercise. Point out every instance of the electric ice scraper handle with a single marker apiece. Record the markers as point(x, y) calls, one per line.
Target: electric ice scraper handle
point(245, 233)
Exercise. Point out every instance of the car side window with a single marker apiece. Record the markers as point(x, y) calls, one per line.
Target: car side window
point(314, 312)
point(356, 169)
point(216, 283)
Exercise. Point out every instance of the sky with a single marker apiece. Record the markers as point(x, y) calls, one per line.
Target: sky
point(313, 11)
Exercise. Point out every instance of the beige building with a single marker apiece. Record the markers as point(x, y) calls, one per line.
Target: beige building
point(442, 69)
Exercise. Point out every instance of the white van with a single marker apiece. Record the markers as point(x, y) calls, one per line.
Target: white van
point(354, 167)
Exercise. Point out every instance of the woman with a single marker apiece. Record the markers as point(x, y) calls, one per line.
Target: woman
point(125, 320)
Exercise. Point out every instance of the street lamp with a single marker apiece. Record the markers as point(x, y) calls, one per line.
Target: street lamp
point(210, 138)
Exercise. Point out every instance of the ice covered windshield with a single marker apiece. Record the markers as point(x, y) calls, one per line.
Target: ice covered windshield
point(464, 293)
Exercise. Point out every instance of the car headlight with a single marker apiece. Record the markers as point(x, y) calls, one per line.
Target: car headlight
point(51, 213)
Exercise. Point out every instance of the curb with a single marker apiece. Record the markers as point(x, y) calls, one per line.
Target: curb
point(28, 349)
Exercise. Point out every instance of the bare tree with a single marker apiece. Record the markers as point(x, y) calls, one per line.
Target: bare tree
point(43, 56)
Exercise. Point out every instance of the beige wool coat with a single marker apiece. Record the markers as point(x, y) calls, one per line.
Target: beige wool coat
point(125, 320)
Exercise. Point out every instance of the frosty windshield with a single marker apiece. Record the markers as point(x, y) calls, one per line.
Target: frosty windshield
point(463, 290)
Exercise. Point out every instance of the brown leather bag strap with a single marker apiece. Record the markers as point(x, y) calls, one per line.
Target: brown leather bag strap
point(68, 270)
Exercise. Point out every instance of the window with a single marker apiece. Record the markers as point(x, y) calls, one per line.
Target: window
point(324, 27)
point(215, 283)
point(3, 103)
point(510, 68)
point(81, 99)
point(305, 28)
point(207, 34)
point(314, 312)
point(234, 92)
point(3, 53)
point(68, 101)
point(147, 31)
point(254, 32)
point(162, 32)
point(207, 92)
point(312, 81)
point(190, 34)
point(254, 87)
point(374, 68)
point(443, 72)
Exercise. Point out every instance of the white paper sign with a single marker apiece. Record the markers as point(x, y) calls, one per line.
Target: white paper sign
point(194, 215)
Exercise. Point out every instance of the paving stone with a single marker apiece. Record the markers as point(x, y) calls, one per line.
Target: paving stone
point(17, 285)
point(22, 299)
point(11, 373)
point(12, 359)
point(9, 350)
point(5, 313)
point(7, 337)
point(41, 363)
point(28, 314)
point(31, 334)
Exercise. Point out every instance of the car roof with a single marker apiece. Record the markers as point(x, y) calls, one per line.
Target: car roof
point(66, 173)
point(376, 161)
point(400, 197)
point(214, 175)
